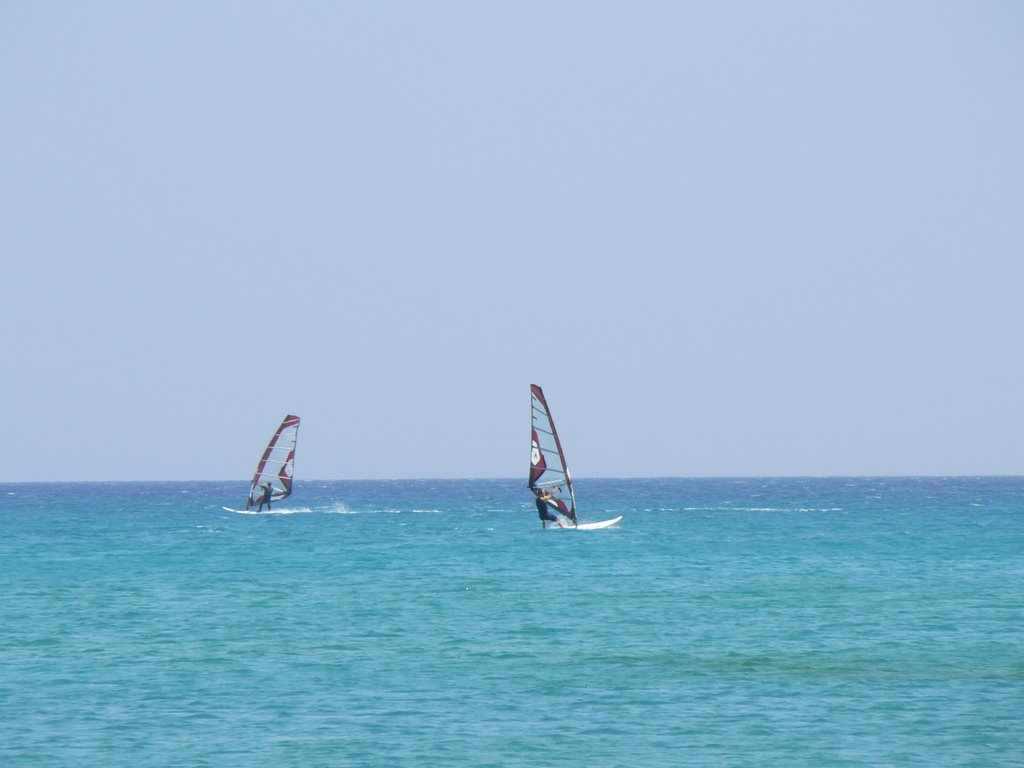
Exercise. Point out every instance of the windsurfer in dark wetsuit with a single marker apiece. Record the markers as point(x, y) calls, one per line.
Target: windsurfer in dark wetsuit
point(544, 501)
point(268, 492)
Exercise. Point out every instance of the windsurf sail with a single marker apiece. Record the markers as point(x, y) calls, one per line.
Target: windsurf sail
point(277, 465)
point(548, 470)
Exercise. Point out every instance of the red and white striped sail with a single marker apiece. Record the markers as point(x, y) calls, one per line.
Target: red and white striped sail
point(277, 465)
point(547, 460)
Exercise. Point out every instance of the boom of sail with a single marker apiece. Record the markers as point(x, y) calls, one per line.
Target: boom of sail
point(277, 465)
point(548, 470)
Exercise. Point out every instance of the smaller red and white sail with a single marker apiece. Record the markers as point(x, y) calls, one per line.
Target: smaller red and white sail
point(548, 470)
point(277, 464)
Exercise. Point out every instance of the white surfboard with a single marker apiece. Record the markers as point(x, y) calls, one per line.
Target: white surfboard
point(595, 526)
point(274, 511)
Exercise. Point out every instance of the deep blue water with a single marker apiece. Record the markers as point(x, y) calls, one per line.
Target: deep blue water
point(724, 622)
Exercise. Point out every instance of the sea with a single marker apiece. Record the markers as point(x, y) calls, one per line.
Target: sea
point(723, 622)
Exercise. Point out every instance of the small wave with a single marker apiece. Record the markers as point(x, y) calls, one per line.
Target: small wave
point(342, 509)
point(735, 509)
point(762, 509)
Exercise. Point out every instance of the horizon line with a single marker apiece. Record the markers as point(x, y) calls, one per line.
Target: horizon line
point(516, 478)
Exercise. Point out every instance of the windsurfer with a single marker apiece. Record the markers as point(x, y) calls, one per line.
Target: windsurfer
point(546, 504)
point(268, 492)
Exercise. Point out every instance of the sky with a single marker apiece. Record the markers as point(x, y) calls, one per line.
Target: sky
point(727, 238)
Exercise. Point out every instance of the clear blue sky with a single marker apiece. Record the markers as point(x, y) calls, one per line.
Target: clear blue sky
point(735, 238)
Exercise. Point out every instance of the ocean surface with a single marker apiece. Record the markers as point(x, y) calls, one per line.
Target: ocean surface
point(724, 622)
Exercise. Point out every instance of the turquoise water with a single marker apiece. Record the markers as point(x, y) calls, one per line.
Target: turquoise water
point(752, 622)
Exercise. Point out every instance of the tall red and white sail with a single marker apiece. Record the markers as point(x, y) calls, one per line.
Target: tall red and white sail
point(277, 465)
point(547, 460)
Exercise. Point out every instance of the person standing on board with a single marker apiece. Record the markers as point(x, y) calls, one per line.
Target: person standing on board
point(545, 501)
point(268, 492)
